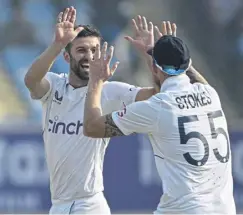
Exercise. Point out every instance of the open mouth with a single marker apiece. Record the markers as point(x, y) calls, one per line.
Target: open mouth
point(85, 66)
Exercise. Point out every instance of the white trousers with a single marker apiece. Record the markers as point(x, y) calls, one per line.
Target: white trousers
point(96, 204)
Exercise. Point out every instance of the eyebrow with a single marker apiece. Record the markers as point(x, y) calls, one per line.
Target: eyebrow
point(83, 47)
point(80, 47)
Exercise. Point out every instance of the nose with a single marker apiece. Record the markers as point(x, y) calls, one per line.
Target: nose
point(89, 55)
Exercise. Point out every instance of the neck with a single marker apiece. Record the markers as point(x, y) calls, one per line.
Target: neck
point(162, 78)
point(76, 82)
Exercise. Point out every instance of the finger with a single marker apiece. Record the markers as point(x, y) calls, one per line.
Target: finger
point(151, 28)
point(144, 23)
point(64, 16)
point(110, 55)
point(174, 28)
point(97, 52)
point(78, 30)
point(70, 13)
point(164, 28)
point(158, 34)
point(103, 51)
point(72, 19)
point(130, 39)
point(135, 27)
point(139, 21)
point(114, 67)
point(169, 29)
point(59, 17)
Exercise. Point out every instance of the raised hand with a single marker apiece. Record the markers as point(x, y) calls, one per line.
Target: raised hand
point(166, 29)
point(65, 32)
point(100, 66)
point(143, 38)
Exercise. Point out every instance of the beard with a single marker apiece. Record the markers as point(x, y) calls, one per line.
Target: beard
point(77, 69)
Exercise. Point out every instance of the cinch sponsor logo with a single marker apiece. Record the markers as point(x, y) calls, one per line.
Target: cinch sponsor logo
point(71, 128)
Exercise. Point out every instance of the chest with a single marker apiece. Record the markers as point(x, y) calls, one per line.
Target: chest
point(63, 126)
point(65, 111)
point(67, 105)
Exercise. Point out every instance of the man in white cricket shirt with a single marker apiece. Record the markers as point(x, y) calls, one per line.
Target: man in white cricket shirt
point(186, 126)
point(75, 162)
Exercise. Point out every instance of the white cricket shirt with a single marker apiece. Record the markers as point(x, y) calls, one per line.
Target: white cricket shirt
point(189, 136)
point(75, 162)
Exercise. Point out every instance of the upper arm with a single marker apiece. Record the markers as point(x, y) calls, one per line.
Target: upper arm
point(117, 95)
point(42, 90)
point(102, 127)
point(139, 117)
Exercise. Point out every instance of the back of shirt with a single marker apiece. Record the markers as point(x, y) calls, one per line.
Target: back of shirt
point(188, 132)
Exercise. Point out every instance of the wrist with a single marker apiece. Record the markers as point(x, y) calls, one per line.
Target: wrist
point(145, 51)
point(95, 80)
point(95, 84)
point(57, 46)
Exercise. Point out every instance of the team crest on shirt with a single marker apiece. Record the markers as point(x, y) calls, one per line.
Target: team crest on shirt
point(58, 99)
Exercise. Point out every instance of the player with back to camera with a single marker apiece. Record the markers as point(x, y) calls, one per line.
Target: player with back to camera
point(185, 124)
point(75, 162)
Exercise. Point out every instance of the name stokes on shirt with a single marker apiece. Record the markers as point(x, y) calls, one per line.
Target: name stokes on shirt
point(193, 100)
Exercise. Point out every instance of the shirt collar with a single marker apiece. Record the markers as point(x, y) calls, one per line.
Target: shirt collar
point(175, 82)
point(79, 89)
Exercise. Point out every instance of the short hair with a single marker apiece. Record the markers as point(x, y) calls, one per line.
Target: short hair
point(88, 31)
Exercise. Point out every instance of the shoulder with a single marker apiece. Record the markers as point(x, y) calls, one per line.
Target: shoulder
point(56, 77)
point(206, 87)
point(57, 84)
point(146, 107)
point(115, 90)
point(210, 90)
point(161, 97)
point(57, 80)
point(108, 85)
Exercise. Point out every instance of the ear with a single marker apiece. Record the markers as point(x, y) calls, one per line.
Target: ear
point(66, 56)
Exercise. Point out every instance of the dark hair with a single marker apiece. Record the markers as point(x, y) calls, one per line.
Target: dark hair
point(88, 31)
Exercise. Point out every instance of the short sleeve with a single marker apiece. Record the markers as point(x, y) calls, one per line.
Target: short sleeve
point(52, 78)
point(139, 117)
point(117, 95)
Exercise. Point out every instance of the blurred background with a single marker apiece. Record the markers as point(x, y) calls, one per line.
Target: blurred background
point(213, 29)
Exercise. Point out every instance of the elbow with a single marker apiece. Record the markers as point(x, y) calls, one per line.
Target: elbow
point(28, 80)
point(92, 129)
point(88, 130)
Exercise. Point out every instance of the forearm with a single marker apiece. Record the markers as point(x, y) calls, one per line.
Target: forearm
point(146, 92)
point(92, 109)
point(149, 61)
point(195, 76)
point(42, 64)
